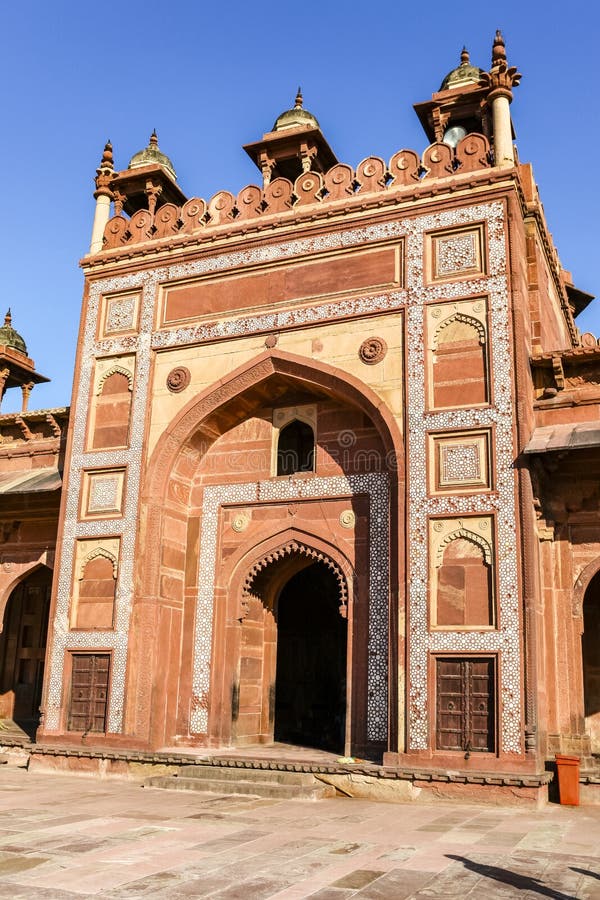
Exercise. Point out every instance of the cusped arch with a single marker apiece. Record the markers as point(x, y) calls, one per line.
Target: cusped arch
point(253, 560)
point(94, 554)
point(115, 370)
point(289, 549)
point(460, 317)
point(478, 539)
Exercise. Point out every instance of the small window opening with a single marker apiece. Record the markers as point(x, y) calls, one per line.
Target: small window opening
point(295, 449)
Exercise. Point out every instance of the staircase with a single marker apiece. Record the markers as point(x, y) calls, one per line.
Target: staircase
point(272, 784)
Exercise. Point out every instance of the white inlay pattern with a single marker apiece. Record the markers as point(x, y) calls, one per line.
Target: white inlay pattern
point(456, 254)
point(460, 462)
point(104, 494)
point(506, 640)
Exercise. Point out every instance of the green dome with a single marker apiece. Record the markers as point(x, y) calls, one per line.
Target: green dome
point(152, 156)
point(463, 74)
point(296, 117)
point(11, 338)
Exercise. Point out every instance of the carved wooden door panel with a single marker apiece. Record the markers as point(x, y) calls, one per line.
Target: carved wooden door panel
point(89, 692)
point(481, 705)
point(450, 705)
point(465, 705)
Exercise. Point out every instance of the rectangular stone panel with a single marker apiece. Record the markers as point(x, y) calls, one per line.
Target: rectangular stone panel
point(459, 462)
point(296, 281)
point(102, 493)
point(455, 254)
point(119, 313)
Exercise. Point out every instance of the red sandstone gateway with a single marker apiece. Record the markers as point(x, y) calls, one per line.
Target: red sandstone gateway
point(331, 473)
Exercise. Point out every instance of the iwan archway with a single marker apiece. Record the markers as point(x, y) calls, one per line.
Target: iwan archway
point(216, 502)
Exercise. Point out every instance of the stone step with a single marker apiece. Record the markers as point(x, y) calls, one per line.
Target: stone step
point(273, 790)
point(235, 773)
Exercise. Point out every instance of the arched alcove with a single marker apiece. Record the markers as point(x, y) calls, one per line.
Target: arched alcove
point(112, 411)
point(464, 585)
point(459, 363)
point(590, 647)
point(23, 649)
point(295, 448)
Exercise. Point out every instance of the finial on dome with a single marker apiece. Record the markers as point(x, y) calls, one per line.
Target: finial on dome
point(299, 99)
point(11, 338)
point(463, 75)
point(153, 138)
point(498, 49)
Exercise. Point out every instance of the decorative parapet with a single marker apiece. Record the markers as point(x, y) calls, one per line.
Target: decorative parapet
point(340, 183)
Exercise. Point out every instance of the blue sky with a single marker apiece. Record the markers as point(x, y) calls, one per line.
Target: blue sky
point(213, 76)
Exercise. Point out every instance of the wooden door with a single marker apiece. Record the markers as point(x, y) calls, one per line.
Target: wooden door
point(89, 692)
point(465, 705)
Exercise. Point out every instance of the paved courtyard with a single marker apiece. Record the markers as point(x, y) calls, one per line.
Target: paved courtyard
point(68, 837)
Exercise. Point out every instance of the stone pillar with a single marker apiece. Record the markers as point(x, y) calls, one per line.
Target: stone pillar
point(101, 217)
point(504, 153)
point(4, 373)
point(26, 390)
point(500, 80)
point(103, 197)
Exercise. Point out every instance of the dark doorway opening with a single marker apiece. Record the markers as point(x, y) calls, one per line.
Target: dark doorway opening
point(590, 642)
point(310, 695)
point(23, 649)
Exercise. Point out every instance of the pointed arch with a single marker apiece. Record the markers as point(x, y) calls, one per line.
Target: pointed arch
point(115, 370)
point(94, 554)
point(466, 320)
point(7, 587)
point(327, 379)
point(478, 539)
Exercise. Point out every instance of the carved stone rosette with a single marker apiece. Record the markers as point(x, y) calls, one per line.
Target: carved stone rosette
point(372, 351)
point(178, 379)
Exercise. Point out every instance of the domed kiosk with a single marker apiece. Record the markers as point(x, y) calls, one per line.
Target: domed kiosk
point(293, 146)
point(16, 368)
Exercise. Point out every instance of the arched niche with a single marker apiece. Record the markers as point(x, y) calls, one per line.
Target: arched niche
point(295, 448)
point(112, 410)
point(464, 596)
point(459, 365)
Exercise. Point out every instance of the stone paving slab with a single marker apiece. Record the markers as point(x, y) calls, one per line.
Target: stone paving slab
point(65, 837)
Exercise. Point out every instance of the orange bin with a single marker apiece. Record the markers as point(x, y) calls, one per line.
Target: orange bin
point(567, 768)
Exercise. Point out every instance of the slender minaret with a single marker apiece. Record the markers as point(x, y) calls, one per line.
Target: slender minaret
point(103, 196)
point(501, 80)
